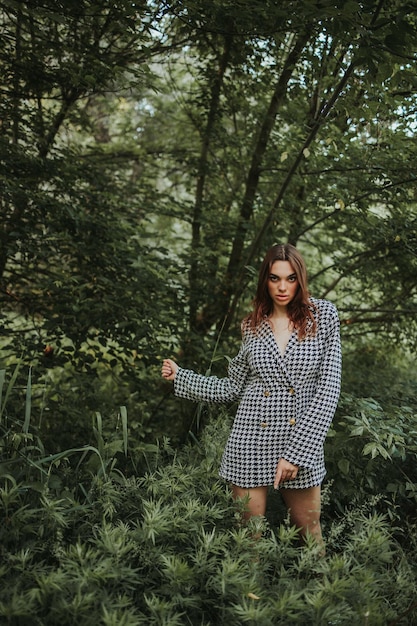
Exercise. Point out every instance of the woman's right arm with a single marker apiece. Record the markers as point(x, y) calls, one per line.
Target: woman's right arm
point(197, 387)
point(169, 369)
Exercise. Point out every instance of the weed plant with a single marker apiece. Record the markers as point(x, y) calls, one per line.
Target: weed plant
point(84, 543)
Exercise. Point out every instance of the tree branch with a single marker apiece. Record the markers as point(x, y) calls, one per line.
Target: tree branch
point(201, 178)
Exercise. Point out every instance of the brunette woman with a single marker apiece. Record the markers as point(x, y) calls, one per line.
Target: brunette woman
point(286, 377)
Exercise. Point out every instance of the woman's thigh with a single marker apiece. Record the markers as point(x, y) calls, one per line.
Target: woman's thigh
point(304, 506)
point(256, 504)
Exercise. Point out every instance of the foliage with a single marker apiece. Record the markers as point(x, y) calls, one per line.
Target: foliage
point(384, 372)
point(298, 138)
point(150, 152)
point(376, 437)
point(86, 542)
point(78, 283)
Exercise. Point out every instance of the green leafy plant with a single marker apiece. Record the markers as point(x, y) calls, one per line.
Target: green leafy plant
point(85, 541)
point(372, 450)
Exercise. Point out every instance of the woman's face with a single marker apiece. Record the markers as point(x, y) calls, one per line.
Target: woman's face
point(282, 283)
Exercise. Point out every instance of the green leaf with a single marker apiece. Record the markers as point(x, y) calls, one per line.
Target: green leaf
point(123, 414)
point(28, 403)
point(344, 466)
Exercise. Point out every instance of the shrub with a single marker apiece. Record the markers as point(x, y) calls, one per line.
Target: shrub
point(371, 450)
point(85, 543)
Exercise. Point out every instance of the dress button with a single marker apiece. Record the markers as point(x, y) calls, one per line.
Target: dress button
point(267, 393)
point(264, 425)
point(291, 390)
point(292, 421)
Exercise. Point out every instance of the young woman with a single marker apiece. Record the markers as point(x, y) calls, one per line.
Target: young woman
point(286, 377)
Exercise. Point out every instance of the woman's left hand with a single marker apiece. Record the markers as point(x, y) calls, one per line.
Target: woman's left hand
point(285, 471)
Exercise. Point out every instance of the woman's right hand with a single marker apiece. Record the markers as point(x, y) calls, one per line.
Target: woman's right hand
point(169, 369)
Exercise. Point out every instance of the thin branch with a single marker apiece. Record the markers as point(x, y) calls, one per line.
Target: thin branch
point(377, 310)
point(300, 156)
point(201, 176)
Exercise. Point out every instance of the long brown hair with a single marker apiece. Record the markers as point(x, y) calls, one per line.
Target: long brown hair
point(300, 309)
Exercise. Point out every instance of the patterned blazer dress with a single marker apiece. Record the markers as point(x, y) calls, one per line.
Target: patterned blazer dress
point(286, 402)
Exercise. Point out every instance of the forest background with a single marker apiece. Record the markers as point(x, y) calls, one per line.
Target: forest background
point(150, 153)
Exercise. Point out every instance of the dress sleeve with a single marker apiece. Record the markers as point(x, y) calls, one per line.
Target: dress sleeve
point(197, 387)
point(310, 431)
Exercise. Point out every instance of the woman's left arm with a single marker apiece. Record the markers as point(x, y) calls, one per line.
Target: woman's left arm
point(310, 431)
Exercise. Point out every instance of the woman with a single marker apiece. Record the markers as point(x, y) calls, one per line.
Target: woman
point(286, 377)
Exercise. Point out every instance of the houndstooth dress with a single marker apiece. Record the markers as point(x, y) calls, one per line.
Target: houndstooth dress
point(286, 402)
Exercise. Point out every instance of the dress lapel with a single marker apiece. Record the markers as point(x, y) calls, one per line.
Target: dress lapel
point(272, 346)
point(292, 342)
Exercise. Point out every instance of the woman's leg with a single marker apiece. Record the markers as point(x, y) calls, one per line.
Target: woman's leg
point(257, 500)
point(304, 506)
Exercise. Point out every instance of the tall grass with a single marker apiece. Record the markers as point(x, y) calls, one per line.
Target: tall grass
point(84, 542)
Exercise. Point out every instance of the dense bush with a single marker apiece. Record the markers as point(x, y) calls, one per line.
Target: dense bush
point(373, 450)
point(84, 543)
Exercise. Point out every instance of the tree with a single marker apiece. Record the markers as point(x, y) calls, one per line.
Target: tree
point(152, 152)
point(76, 282)
point(302, 118)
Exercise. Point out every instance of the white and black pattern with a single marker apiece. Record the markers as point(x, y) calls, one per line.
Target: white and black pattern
point(286, 402)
